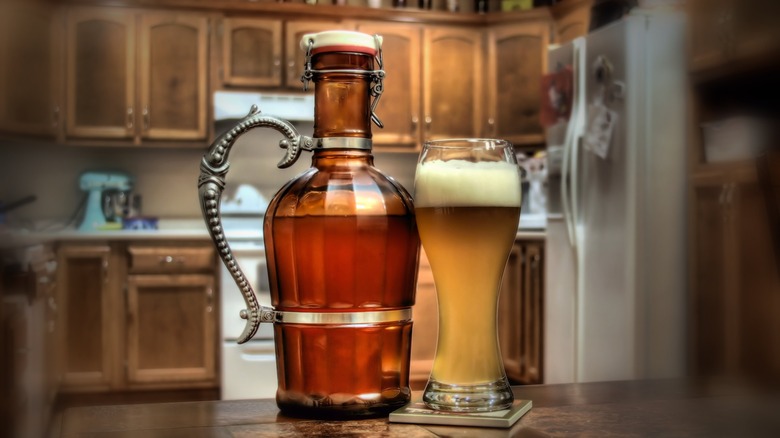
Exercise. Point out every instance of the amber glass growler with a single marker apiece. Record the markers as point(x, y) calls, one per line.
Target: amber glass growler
point(341, 243)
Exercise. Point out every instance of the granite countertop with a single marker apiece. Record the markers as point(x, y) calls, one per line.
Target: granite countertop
point(627, 408)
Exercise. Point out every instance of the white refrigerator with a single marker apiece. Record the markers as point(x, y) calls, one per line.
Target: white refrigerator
point(616, 248)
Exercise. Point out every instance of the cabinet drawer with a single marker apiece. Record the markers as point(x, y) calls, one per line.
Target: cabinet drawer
point(171, 259)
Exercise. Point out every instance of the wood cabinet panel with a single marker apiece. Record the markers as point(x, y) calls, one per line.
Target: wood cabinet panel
point(173, 76)
point(758, 310)
point(520, 313)
point(572, 20)
point(100, 79)
point(29, 69)
point(171, 259)
point(517, 55)
point(399, 108)
point(252, 52)
point(710, 285)
point(85, 275)
point(452, 82)
point(171, 328)
point(735, 285)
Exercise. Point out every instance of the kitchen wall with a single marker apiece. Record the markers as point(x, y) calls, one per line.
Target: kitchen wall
point(166, 178)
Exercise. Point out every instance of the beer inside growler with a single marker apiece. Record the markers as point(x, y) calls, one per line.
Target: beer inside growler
point(341, 242)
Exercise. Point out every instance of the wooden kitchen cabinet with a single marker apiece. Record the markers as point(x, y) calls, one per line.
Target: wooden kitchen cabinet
point(452, 82)
point(294, 55)
point(517, 56)
point(724, 31)
point(86, 281)
point(399, 108)
point(735, 286)
point(30, 79)
point(171, 331)
point(138, 316)
point(572, 19)
point(173, 76)
point(252, 52)
point(520, 313)
point(101, 73)
point(111, 50)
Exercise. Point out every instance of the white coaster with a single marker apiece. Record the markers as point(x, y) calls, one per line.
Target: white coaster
point(417, 413)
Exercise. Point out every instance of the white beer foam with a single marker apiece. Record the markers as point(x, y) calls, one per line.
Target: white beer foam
point(460, 183)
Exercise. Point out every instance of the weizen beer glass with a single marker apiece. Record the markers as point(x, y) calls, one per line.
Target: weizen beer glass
point(467, 199)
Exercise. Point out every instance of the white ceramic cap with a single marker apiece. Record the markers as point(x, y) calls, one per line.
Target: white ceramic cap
point(342, 41)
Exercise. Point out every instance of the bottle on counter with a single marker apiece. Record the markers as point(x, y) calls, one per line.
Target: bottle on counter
point(341, 244)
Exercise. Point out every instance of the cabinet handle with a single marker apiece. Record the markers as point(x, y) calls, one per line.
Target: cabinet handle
point(415, 122)
point(130, 121)
point(147, 118)
point(209, 300)
point(277, 65)
point(492, 124)
point(428, 122)
point(55, 117)
point(171, 259)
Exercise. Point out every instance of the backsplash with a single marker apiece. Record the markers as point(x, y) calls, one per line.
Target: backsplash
point(166, 178)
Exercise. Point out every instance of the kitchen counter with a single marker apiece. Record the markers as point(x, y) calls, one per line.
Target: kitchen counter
point(628, 408)
point(172, 229)
point(169, 229)
point(531, 234)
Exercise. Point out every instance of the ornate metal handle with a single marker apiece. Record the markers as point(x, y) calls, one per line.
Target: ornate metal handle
point(213, 169)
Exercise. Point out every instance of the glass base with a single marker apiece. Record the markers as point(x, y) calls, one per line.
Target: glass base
point(484, 397)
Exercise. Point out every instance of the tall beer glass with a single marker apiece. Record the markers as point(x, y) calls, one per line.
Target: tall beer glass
point(467, 202)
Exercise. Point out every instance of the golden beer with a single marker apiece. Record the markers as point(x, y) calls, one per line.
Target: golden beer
point(467, 216)
point(467, 248)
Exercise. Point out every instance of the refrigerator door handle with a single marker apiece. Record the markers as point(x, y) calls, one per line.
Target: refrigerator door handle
point(569, 173)
point(565, 192)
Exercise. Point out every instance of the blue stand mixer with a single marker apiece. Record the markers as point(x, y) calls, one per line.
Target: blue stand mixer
point(102, 188)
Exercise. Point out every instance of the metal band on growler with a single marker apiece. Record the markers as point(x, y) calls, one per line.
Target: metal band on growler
point(341, 242)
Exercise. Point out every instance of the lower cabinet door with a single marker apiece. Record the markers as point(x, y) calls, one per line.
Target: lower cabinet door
point(171, 331)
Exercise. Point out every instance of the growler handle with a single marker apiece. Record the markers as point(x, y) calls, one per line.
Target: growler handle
point(211, 183)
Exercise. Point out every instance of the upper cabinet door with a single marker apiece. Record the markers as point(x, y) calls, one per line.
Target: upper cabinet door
point(572, 20)
point(517, 55)
point(100, 73)
point(399, 106)
point(252, 52)
point(452, 82)
point(173, 76)
point(294, 56)
point(29, 69)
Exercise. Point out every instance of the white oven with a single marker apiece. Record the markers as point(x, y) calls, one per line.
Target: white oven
point(248, 370)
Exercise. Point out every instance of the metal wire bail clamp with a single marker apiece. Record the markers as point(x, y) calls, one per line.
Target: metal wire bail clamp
point(377, 77)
